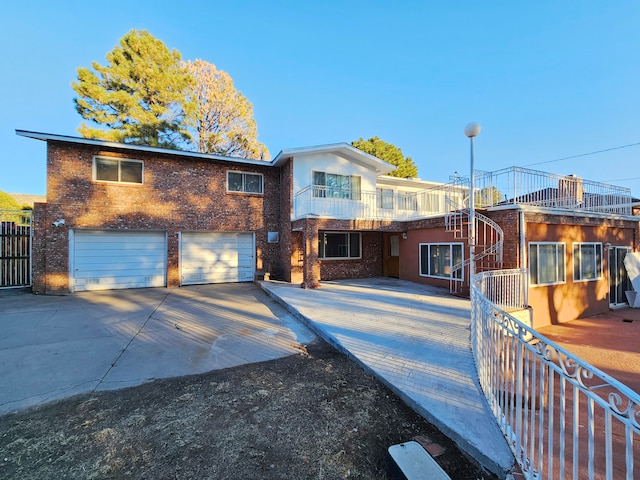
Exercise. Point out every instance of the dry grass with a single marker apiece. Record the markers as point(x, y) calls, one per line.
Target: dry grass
point(310, 416)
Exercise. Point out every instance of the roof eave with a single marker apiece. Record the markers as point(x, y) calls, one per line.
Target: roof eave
point(348, 151)
point(48, 137)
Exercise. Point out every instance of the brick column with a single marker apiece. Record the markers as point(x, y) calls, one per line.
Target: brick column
point(38, 249)
point(311, 267)
point(173, 262)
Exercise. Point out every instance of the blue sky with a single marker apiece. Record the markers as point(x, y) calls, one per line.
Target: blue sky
point(546, 80)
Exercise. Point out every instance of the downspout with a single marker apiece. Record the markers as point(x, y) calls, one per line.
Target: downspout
point(522, 226)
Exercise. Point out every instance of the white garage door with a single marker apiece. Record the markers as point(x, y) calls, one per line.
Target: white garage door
point(216, 257)
point(104, 260)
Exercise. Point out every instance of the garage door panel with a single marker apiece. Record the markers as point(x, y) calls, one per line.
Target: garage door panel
point(104, 260)
point(217, 257)
point(124, 249)
point(91, 269)
point(120, 246)
point(116, 282)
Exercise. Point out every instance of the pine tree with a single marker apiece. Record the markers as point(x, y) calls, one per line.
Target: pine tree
point(390, 154)
point(139, 96)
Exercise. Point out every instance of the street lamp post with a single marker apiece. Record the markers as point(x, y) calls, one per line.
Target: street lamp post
point(472, 130)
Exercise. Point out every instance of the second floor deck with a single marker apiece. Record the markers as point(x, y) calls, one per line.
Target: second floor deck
point(511, 186)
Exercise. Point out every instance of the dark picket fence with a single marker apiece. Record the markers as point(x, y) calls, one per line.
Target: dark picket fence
point(15, 248)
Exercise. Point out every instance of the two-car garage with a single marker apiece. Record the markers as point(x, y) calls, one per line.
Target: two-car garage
point(114, 259)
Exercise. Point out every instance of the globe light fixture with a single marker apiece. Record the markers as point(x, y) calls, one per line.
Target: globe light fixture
point(472, 130)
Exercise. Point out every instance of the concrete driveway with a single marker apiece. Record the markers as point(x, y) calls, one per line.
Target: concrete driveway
point(55, 347)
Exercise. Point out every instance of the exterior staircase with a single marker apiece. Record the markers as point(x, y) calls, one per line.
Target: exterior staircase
point(488, 248)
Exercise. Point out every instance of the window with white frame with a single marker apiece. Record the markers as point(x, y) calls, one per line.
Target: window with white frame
point(407, 201)
point(331, 185)
point(384, 198)
point(119, 170)
point(441, 260)
point(587, 261)
point(546, 263)
point(244, 182)
point(339, 245)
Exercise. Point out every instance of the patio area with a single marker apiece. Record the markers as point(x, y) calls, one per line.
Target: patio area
point(609, 341)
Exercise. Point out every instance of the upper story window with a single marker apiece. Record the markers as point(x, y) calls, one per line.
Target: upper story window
point(108, 169)
point(546, 263)
point(407, 201)
point(384, 198)
point(244, 182)
point(331, 185)
point(587, 261)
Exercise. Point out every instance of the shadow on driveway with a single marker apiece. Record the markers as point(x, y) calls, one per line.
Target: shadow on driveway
point(55, 347)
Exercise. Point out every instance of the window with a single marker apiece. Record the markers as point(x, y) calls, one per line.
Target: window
point(439, 259)
point(546, 263)
point(394, 246)
point(407, 201)
point(587, 261)
point(330, 185)
point(338, 245)
point(107, 169)
point(273, 237)
point(384, 198)
point(244, 182)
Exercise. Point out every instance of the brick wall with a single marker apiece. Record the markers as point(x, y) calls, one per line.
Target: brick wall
point(178, 194)
point(370, 265)
point(510, 223)
point(287, 254)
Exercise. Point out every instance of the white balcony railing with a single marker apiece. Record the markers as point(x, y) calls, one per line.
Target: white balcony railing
point(562, 417)
point(524, 186)
point(510, 186)
point(331, 202)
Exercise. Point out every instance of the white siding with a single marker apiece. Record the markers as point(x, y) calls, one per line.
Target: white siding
point(105, 260)
point(303, 166)
point(216, 257)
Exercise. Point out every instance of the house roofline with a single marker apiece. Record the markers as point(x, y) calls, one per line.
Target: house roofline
point(49, 137)
point(343, 149)
point(562, 212)
point(409, 182)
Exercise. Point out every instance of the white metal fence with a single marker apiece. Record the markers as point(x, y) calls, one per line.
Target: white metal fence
point(563, 418)
point(332, 202)
point(506, 289)
point(517, 185)
point(15, 248)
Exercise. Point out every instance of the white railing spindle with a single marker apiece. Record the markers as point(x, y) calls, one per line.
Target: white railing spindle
point(540, 392)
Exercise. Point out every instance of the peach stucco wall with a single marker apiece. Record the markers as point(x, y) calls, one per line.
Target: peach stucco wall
point(573, 299)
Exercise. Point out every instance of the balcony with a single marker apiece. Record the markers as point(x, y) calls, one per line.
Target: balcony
point(347, 204)
point(510, 186)
point(522, 186)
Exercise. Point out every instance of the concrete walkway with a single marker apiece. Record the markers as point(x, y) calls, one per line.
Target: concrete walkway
point(416, 339)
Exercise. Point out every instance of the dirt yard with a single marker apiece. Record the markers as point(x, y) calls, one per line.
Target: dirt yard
point(316, 415)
